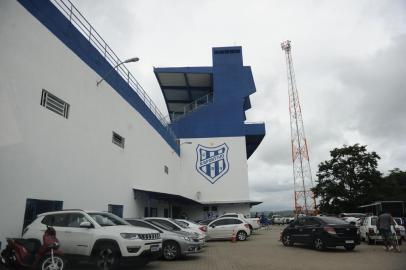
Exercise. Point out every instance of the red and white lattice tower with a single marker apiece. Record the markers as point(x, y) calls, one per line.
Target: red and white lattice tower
point(305, 202)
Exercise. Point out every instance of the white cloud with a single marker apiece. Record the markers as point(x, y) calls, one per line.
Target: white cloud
point(348, 58)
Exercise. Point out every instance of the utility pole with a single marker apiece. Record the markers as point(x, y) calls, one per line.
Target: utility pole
point(305, 202)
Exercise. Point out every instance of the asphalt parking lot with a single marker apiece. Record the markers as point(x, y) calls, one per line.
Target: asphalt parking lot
point(264, 251)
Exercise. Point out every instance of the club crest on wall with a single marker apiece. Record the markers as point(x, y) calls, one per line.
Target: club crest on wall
point(212, 162)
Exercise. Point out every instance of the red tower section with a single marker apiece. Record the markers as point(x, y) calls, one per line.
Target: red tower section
point(305, 202)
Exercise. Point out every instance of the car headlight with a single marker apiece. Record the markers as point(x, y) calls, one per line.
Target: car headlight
point(130, 236)
point(187, 238)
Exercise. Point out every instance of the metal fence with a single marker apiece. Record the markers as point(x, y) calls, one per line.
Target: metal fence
point(87, 30)
point(175, 116)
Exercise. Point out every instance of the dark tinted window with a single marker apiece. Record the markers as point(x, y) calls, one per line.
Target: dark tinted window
point(311, 222)
point(74, 220)
point(234, 221)
point(143, 224)
point(166, 223)
point(57, 220)
point(220, 222)
point(300, 222)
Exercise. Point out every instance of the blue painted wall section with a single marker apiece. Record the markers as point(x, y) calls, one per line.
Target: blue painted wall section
point(59, 25)
point(233, 83)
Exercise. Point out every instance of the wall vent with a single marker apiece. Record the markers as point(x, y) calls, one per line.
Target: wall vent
point(118, 140)
point(54, 104)
point(166, 169)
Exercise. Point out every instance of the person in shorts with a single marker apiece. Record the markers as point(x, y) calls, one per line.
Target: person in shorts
point(383, 224)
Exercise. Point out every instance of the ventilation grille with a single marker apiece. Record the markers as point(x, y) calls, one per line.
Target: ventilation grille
point(54, 104)
point(118, 140)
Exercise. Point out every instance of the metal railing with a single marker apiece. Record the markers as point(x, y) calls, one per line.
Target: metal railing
point(87, 30)
point(193, 106)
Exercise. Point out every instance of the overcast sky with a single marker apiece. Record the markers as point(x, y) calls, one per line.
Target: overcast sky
point(349, 59)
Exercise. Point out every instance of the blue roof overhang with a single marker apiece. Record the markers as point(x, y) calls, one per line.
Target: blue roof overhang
point(254, 133)
point(183, 85)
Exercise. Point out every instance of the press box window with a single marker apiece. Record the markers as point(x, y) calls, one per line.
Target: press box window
point(118, 140)
point(166, 169)
point(54, 104)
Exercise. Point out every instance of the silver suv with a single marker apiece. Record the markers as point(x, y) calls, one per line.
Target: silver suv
point(175, 243)
point(98, 236)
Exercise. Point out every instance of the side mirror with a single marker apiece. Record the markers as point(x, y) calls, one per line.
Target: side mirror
point(86, 224)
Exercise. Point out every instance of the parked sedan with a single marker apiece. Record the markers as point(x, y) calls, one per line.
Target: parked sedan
point(174, 243)
point(175, 225)
point(321, 232)
point(191, 224)
point(225, 228)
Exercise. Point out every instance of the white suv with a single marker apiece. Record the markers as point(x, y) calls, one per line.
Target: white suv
point(99, 236)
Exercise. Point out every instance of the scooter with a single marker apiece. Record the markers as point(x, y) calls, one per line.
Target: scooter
point(31, 254)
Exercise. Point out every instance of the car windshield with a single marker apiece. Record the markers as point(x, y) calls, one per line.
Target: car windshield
point(160, 225)
point(106, 219)
point(333, 221)
point(180, 223)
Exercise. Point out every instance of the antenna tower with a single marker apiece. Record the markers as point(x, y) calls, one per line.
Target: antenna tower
point(305, 202)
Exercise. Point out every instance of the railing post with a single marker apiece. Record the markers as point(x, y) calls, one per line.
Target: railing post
point(70, 13)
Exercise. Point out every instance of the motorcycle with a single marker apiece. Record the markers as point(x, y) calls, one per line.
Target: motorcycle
point(31, 253)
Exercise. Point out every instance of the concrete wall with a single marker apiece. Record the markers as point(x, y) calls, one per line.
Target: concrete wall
point(45, 156)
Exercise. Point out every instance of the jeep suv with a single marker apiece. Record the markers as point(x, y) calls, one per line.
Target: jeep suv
point(100, 237)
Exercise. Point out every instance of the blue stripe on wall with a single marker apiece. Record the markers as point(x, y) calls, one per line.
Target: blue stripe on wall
point(45, 12)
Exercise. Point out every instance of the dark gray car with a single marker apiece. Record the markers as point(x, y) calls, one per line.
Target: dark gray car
point(174, 243)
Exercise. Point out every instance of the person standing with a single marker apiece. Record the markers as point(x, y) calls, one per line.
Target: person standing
point(383, 224)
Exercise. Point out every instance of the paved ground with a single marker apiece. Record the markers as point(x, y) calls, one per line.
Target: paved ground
point(263, 251)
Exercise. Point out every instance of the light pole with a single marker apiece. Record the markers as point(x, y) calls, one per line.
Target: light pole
point(134, 59)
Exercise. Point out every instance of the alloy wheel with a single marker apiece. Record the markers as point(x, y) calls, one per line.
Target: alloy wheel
point(318, 244)
point(106, 259)
point(241, 236)
point(170, 251)
point(286, 240)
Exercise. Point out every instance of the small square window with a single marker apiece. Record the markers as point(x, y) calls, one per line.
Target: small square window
point(166, 169)
point(118, 140)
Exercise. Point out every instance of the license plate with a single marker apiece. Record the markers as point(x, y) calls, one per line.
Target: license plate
point(349, 241)
point(154, 248)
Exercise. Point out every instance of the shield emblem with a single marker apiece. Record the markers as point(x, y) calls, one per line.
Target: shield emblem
point(212, 162)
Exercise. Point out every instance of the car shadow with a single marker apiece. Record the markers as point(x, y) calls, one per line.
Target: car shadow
point(327, 250)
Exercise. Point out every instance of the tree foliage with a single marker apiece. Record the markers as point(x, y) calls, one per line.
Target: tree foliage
point(349, 179)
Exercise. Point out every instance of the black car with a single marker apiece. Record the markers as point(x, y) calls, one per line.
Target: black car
point(321, 233)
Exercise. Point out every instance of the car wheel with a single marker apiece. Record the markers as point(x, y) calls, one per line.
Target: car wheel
point(170, 250)
point(287, 240)
point(319, 244)
point(56, 264)
point(107, 258)
point(349, 247)
point(241, 236)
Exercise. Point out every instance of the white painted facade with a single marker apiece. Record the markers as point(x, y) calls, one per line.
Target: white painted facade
point(45, 156)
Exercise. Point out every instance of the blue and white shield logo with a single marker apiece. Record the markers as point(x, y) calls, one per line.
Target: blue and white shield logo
point(212, 162)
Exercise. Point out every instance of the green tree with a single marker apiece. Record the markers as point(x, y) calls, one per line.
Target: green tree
point(392, 187)
point(347, 180)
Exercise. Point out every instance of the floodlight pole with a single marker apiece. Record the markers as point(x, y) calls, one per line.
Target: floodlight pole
point(134, 59)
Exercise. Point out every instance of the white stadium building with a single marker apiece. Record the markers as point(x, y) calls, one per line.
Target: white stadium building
point(67, 143)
